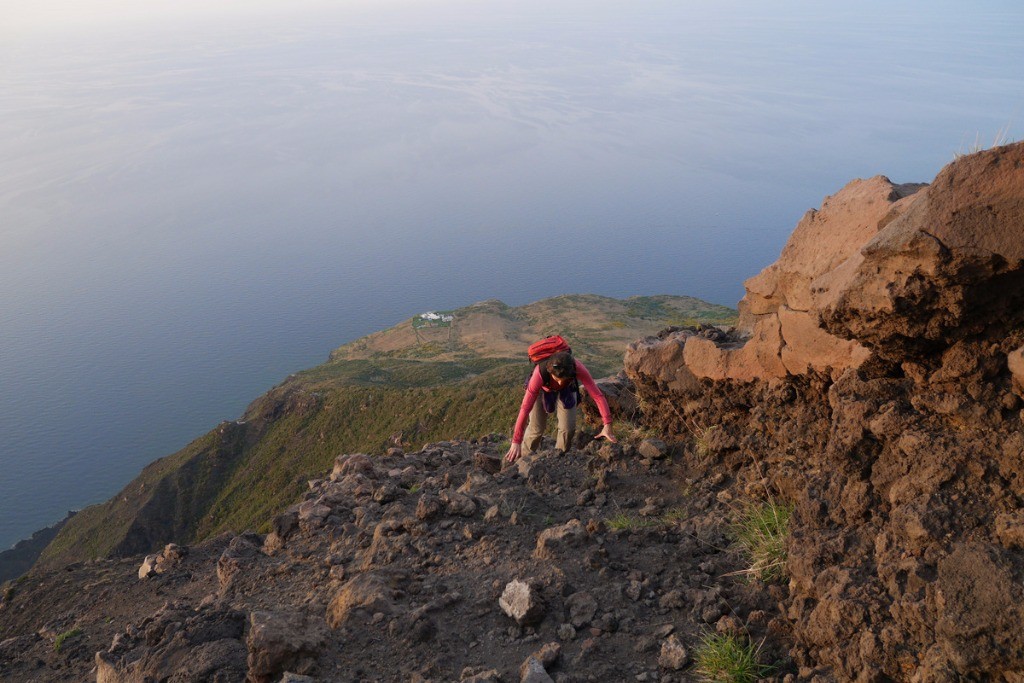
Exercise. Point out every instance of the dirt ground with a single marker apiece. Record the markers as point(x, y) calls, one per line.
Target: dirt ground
point(611, 564)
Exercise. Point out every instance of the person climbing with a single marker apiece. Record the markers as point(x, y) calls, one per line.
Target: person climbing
point(554, 387)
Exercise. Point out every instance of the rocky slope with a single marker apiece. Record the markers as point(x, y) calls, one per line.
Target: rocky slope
point(602, 564)
point(407, 385)
point(876, 382)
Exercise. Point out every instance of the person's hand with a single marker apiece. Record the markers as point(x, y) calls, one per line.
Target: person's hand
point(606, 433)
point(514, 451)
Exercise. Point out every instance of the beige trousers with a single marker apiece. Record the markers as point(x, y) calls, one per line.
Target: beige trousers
point(539, 421)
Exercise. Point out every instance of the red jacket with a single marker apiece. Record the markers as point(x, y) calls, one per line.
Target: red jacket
point(536, 385)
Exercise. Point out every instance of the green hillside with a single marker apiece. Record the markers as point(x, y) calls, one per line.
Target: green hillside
point(408, 385)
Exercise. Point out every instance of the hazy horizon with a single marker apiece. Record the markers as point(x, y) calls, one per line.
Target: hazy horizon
point(200, 198)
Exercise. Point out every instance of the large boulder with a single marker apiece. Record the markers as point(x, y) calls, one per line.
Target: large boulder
point(178, 643)
point(280, 641)
point(779, 332)
point(949, 267)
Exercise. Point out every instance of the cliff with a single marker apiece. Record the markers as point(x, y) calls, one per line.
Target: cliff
point(875, 383)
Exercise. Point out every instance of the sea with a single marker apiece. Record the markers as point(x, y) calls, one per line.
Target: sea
point(198, 199)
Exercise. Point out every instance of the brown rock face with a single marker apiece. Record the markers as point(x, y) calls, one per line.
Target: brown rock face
point(779, 329)
point(877, 387)
point(948, 268)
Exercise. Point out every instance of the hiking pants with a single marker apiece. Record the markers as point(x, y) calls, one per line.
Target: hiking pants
point(539, 421)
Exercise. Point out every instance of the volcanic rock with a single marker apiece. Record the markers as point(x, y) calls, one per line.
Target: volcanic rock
point(674, 655)
point(560, 539)
point(874, 385)
point(279, 641)
point(522, 602)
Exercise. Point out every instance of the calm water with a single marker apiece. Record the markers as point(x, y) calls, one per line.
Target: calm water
point(195, 204)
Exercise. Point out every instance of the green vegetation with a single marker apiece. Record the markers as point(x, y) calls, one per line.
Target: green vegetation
point(674, 515)
point(680, 311)
point(728, 658)
point(762, 530)
point(63, 637)
point(405, 385)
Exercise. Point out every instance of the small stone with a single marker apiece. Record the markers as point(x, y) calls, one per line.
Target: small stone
point(459, 504)
point(559, 539)
point(290, 677)
point(674, 655)
point(711, 613)
point(387, 493)
point(548, 655)
point(653, 448)
point(521, 602)
point(566, 632)
point(429, 507)
point(728, 624)
point(486, 462)
point(241, 552)
point(170, 557)
point(313, 513)
point(582, 608)
point(281, 640)
point(533, 671)
point(665, 630)
point(356, 463)
point(491, 514)
point(148, 567)
point(674, 599)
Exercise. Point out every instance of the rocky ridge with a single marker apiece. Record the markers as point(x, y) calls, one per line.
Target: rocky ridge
point(606, 563)
point(875, 382)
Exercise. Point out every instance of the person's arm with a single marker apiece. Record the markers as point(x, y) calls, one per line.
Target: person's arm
point(585, 378)
point(529, 399)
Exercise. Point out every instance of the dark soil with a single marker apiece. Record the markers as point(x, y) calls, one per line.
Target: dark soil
point(392, 570)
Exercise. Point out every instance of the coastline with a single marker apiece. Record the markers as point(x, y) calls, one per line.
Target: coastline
point(19, 558)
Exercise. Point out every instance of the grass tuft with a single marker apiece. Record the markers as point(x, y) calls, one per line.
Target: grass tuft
point(728, 658)
point(674, 515)
point(59, 642)
point(1001, 138)
point(762, 529)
